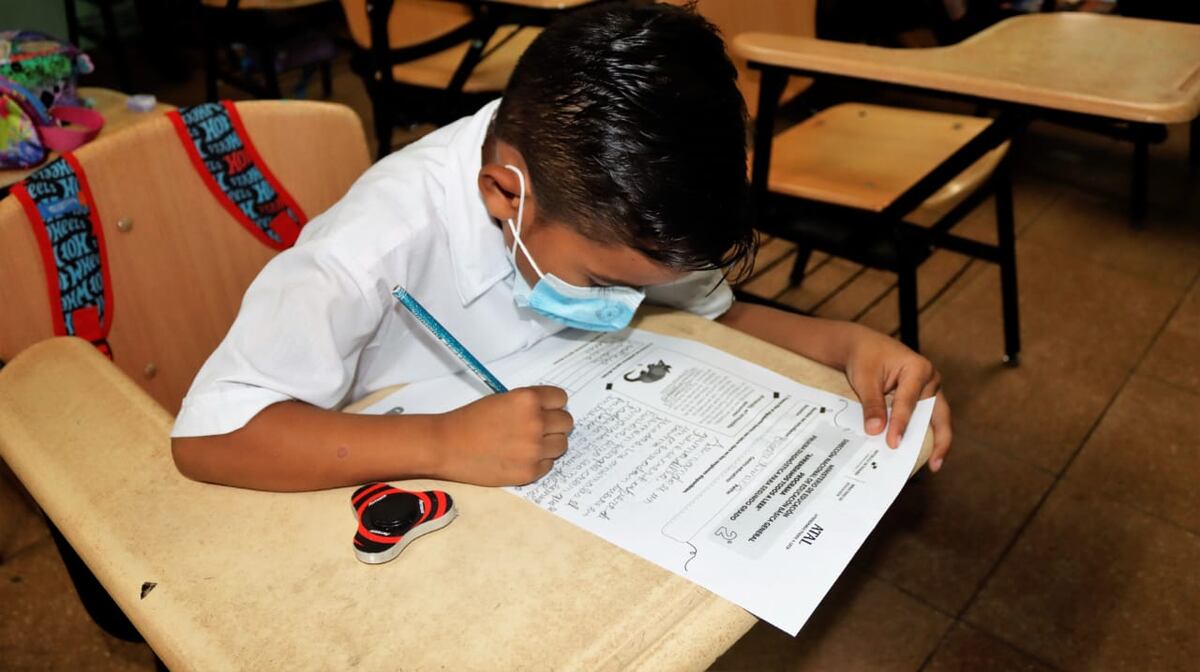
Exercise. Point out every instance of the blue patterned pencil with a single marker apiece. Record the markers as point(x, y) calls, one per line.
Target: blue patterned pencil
point(418, 311)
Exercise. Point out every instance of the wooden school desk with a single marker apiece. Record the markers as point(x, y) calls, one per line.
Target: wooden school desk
point(1089, 66)
point(219, 578)
point(109, 103)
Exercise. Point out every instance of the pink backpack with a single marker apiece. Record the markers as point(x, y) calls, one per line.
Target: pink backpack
point(28, 131)
point(38, 100)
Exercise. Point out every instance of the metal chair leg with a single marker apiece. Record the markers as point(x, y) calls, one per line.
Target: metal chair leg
point(909, 309)
point(113, 36)
point(1006, 238)
point(800, 265)
point(326, 79)
point(266, 57)
point(384, 121)
point(1194, 144)
point(72, 22)
point(210, 56)
point(1139, 186)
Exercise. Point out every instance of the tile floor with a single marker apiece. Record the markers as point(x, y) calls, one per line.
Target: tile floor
point(1063, 533)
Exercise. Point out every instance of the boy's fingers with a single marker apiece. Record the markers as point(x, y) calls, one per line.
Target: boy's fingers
point(534, 472)
point(545, 466)
point(943, 433)
point(907, 391)
point(874, 407)
point(551, 397)
point(557, 421)
point(933, 386)
point(553, 447)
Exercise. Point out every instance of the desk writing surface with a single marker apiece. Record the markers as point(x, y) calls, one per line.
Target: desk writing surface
point(1117, 67)
point(254, 580)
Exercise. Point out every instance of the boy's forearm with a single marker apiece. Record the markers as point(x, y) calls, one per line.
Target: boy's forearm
point(826, 341)
point(293, 446)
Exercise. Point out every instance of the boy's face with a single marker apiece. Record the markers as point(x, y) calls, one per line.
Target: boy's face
point(556, 246)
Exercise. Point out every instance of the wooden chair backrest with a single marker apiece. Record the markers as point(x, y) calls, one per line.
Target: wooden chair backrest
point(411, 21)
point(790, 17)
point(179, 273)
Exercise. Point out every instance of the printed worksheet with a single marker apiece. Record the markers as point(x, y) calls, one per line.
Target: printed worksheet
point(752, 485)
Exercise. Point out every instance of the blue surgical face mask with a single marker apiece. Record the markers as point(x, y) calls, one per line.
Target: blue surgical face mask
point(590, 308)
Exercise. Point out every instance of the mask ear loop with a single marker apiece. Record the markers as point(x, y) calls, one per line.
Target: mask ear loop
point(516, 230)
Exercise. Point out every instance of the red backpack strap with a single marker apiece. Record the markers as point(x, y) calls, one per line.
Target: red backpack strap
point(221, 151)
point(59, 206)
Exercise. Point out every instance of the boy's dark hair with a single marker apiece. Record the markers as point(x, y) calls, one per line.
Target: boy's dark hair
point(633, 129)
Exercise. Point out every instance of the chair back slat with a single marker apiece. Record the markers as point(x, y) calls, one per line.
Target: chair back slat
point(179, 272)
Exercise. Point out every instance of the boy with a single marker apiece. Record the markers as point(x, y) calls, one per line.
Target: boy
point(614, 169)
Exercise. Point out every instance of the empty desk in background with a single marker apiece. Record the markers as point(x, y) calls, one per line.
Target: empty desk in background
point(1092, 67)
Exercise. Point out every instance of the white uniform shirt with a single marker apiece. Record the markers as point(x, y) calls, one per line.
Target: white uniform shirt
point(319, 323)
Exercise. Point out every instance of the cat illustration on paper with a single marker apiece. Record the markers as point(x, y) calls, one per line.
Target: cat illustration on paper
point(651, 374)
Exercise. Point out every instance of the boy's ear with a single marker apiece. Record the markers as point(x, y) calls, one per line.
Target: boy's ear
point(501, 191)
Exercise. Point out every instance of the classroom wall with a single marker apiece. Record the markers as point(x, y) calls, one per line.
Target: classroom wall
point(50, 17)
point(41, 15)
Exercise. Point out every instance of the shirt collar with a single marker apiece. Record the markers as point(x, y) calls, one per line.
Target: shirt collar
point(476, 244)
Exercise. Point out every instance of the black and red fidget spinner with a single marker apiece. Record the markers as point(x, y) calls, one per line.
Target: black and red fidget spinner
point(390, 519)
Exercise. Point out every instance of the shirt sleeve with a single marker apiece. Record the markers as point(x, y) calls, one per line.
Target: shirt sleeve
point(302, 326)
point(704, 293)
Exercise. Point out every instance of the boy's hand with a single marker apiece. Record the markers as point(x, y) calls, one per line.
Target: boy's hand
point(874, 364)
point(877, 365)
point(506, 439)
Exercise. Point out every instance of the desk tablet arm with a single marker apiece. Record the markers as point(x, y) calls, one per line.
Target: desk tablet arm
point(812, 54)
point(77, 431)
